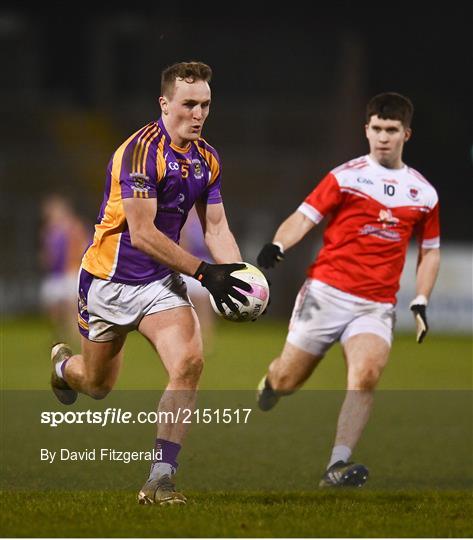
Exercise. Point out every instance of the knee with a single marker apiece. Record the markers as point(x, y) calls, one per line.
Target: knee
point(188, 369)
point(99, 391)
point(365, 378)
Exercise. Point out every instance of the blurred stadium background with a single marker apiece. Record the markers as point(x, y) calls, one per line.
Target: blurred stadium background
point(289, 93)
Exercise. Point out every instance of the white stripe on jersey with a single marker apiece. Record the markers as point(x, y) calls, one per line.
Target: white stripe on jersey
point(432, 243)
point(310, 212)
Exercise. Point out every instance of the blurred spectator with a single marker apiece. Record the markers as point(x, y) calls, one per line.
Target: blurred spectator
point(192, 240)
point(63, 240)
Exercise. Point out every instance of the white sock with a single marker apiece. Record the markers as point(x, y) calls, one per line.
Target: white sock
point(59, 368)
point(160, 469)
point(339, 453)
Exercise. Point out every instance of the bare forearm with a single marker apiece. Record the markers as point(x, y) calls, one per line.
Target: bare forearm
point(292, 230)
point(222, 246)
point(157, 245)
point(427, 271)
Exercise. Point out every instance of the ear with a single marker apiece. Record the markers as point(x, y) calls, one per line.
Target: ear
point(163, 103)
point(407, 134)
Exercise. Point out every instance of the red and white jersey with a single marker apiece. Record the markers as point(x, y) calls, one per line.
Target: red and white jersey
point(374, 212)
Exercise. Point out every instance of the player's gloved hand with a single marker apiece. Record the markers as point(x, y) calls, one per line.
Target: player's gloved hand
point(270, 255)
point(217, 279)
point(418, 306)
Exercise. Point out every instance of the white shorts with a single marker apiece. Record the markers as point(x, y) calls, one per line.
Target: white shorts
point(194, 288)
point(108, 310)
point(60, 288)
point(323, 315)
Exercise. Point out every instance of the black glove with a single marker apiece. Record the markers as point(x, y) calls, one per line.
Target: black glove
point(418, 306)
point(221, 285)
point(270, 255)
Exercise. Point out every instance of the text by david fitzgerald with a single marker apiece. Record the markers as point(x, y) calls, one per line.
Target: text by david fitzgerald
point(99, 454)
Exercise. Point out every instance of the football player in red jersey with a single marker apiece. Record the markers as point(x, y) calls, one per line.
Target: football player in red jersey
point(375, 204)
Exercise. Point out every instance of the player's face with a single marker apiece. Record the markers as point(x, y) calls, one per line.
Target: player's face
point(386, 139)
point(185, 113)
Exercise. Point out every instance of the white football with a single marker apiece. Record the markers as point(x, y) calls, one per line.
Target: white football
point(258, 297)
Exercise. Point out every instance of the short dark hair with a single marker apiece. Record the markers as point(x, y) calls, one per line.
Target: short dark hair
point(190, 71)
point(391, 106)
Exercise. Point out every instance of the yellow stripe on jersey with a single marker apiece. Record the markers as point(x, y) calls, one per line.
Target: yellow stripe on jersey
point(212, 161)
point(100, 258)
point(143, 145)
point(160, 159)
point(138, 146)
point(145, 155)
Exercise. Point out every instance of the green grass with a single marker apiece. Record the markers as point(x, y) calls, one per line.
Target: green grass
point(315, 514)
point(254, 480)
point(240, 356)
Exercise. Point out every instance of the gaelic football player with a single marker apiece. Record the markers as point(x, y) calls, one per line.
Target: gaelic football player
point(131, 274)
point(374, 205)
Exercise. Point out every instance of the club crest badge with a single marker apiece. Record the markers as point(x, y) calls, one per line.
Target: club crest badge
point(413, 193)
point(197, 168)
point(140, 183)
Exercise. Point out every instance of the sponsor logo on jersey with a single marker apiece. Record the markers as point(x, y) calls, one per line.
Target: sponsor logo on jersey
point(165, 209)
point(197, 166)
point(386, 220)
point(386, 217)
point(362, 180)
point(173, 166)
point(413, 192)
point(386, 234)
point(390, 181)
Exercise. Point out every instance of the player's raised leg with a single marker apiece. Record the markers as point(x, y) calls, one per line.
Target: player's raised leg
point(366, 356)
point(286, 374)
point(175, 334)
point(93, 372)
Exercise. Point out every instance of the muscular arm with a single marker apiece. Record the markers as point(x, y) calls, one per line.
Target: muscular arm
point(217, 234)
point(428, 265)
point(293, 229)
point(140, 214)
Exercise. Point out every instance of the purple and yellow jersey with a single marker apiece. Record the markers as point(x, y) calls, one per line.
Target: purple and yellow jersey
point(149, 165)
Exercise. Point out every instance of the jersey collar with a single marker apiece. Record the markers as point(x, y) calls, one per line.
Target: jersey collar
point(380, 167)
point(168, 139)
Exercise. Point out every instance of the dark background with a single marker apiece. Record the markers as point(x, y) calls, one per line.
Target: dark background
point(289, 92)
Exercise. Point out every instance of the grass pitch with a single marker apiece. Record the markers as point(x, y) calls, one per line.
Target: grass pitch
point(256, 480)
point(314, 514)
